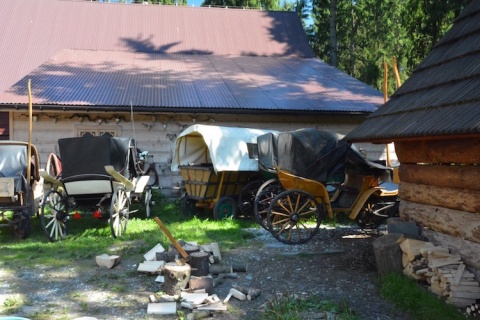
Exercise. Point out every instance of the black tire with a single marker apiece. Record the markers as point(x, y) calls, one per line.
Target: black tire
point(376, 211)
point(225, 207)
point(246, 199)
point(265, 194)
point(54, 216)
point(21, 224)
point(119, 212)
point(294, 217)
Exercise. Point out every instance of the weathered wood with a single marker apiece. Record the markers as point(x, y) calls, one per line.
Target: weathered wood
point(388, 255)
point(199, 263)
point(455, 223)
point(176, 277)
point(201, 283)
point(458, 199)
point(458, 177)
point(219, 268)
point(412, 247)
point(107, 261)
point(447, 151)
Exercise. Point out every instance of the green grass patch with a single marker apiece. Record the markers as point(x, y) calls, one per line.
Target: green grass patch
point(409, 296)
point(292, 307)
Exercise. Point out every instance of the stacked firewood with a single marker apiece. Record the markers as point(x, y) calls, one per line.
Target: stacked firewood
point(443, 272)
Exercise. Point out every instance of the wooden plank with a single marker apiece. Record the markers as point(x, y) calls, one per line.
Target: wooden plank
point(162, 308)
point(458, 274)
point(451, 222)
point(463, 177)
point(444, 262)
point(151, 255)
point(412, 247)
point(446, 151)
point(457, 199)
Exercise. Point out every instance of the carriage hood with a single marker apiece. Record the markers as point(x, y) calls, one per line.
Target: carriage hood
point(226, 148)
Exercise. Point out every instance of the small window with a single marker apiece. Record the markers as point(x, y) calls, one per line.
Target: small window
point(252, 150)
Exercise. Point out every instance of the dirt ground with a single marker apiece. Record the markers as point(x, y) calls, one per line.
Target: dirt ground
point(337, 265)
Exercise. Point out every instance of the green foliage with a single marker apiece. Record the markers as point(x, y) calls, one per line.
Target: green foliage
point(408, 296)
point(369, 32)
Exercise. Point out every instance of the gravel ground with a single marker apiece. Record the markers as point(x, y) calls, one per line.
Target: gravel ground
point(336, 265)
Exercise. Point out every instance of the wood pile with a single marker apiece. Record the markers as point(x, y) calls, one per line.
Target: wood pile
point(444, 272)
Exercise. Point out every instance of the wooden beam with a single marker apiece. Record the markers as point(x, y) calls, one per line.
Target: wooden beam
point(461, 151)
point(463, 177)
point(455, 223)
point(453, 198)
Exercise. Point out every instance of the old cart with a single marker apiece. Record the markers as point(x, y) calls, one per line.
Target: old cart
point(307, 188)
point(216, 164)
point(98, 174)
point(19, 195)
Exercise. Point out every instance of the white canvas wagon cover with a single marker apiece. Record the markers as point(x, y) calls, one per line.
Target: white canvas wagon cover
point(226, 148)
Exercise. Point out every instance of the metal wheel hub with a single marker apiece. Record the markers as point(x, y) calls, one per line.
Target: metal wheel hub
point(295, 218)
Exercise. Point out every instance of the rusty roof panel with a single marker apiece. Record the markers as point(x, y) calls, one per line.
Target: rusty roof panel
point(162, 81)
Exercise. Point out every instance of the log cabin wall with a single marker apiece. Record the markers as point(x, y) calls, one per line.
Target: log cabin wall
point(440, 187)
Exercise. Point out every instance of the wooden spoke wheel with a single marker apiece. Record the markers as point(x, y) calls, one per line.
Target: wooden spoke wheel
point(119, 212)
point(246, 199)
point(54, 216)
point(225, 207)
point(375, 212)
point(21, 224)
point(265, 194)
point(294, 216)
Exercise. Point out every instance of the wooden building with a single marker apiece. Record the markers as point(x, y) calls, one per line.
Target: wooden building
point(434, 121)
point(150, 71)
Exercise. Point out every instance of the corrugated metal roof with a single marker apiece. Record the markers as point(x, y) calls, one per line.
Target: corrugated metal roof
point(442, 96)
point(100, 55)
point(154, 82)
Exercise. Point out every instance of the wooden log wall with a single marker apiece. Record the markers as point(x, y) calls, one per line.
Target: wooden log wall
point(440, 187)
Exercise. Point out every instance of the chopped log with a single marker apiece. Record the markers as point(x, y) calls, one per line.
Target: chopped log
point(199, 263)
point(412, 247)
point(458, 177)
point(176, 277)
point(217, 269)
point(197, 315)
point(216, 251)
point(436, 251)
point(189, 248)
point(107, 261)
point(239, 267)
point(458, 274)
point(253, 293)
point(237, 294)
point(453, 259)
point(204, 282)
point(455, 150)
point(150, 266)
point(455, 223)
point(167, 256)
point(405, 260)
point(151, 255)
point(388, 255)
point(162, 308)
point(452, 198)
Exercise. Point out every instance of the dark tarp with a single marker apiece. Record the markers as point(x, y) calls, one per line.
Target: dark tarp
point(90, 155)
point(313, 154)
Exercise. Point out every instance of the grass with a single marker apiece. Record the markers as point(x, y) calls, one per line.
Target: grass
point(88, 237)
point(409, 296)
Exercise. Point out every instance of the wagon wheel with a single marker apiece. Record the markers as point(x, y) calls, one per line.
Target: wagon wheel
point(265, 194)
point(375, 212)
point(54, 216)
point(294, 216)
point(189, 206)
point(225, 207)
point(153, 176)
point(119, 212)
point(21, 224)
point(246, 199)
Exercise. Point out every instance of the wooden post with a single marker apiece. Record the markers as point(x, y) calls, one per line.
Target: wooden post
point(388, 255)
point(176, 277)
point(201, 283)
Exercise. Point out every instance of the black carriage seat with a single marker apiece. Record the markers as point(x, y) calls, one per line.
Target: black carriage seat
point(84, 159)
point(13, 164)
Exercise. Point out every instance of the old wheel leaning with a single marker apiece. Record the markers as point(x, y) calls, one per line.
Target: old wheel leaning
point(294, 217)
point(119, 212)
point(265, 194)
point(225, 207)
point(375, 212)
point(54, 216)
point(246, 199)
